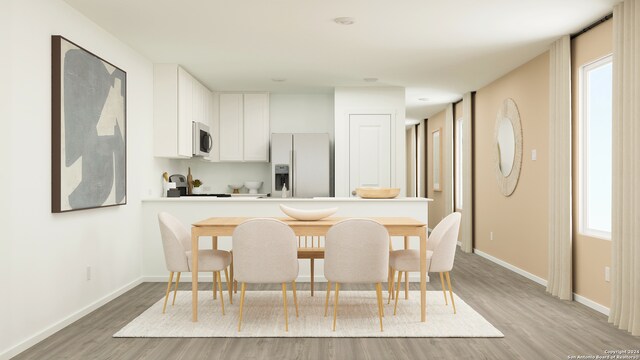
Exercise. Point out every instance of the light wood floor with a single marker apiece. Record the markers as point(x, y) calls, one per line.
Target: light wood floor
point(535, 325)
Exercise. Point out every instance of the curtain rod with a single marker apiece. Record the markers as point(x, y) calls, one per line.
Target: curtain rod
point(598, 22)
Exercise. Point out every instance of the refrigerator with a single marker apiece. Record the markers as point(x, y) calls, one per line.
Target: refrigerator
point(301, 162)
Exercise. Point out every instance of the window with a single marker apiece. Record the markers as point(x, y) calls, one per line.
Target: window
point(458, 164)
point(595, 159)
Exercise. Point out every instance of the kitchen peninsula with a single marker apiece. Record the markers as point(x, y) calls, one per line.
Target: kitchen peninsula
point(192, 209)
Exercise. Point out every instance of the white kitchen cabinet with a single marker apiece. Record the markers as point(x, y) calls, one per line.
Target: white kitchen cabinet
point(178, 100)
point(244, 127)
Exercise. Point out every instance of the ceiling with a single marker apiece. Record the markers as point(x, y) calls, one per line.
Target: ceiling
point(435, 49)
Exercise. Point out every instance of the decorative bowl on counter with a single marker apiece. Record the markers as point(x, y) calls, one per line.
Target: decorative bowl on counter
point(235, 188)
point(253, 186)
point(308, 215)
point(377, 192)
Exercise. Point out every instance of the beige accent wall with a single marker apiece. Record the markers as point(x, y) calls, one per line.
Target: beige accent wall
point(436, 208)
point(590, 255)
point(518, 222)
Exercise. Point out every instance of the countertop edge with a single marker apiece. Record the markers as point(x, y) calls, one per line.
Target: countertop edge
point(241, 199)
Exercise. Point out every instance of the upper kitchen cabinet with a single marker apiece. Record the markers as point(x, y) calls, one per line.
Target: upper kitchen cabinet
point(178, 100)
point(244, 127)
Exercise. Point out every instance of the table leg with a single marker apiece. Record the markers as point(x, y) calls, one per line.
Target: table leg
point(194, 272)
point(214, 246)
point(423, 274)
point(406, 276)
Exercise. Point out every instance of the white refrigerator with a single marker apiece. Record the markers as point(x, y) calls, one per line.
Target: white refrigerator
point(301, 163)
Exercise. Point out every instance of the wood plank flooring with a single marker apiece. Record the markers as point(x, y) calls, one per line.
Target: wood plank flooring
point(535, 325)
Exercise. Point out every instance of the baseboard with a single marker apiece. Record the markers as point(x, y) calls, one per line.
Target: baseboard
point(515, 269)
point(579, 299)
point(29, 342)
point(591, 304)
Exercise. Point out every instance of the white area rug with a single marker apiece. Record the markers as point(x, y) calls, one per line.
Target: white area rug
point(264, 317)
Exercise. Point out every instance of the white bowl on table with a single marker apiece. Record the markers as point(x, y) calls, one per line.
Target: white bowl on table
point(308, 215)
point(253, 186)
point(235, 188)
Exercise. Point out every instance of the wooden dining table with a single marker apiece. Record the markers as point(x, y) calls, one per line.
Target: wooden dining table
point(224, 226)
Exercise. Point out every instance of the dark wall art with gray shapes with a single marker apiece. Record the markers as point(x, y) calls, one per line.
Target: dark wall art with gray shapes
point(88, 142)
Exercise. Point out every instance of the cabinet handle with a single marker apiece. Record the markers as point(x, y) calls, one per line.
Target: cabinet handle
point(353, 193)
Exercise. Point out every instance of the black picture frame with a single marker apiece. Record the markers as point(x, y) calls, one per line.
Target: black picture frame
point(88, 129)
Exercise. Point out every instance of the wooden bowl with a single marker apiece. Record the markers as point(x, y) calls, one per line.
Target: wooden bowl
point(377, 192)
point(308, 215)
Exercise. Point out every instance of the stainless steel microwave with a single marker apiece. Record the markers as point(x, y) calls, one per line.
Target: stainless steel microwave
point(202, 140)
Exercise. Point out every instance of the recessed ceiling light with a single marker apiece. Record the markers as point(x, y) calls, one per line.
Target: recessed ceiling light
point(424, 99)
point(278, 79)
point(370, 79)
point(344, 20)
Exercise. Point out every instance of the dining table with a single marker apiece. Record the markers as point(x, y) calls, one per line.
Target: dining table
point(224, 226)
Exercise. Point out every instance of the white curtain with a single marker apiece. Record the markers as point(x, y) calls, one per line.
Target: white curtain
point(467, 174)
point(560, 221)
point(625, 231)
point(447, 161)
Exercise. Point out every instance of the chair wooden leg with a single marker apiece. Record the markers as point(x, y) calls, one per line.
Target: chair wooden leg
point(335, 306)
point(312, 274)
point(391, 284)
point(286, 313)
point(395, 307)
point(166, 296)
point(233, 280)
point(241, 305)
point(380, 308)
point(450, 291)
point(220, 287)
point(326, 302)
point(175, 290)
point(406, 285)
point(295, 296)
point(226, 275)
point(444, 291)
point(214, 286)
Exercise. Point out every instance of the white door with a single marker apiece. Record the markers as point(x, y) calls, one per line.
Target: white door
point(369, 151)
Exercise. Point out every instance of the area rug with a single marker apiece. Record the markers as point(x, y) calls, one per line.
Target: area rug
point(263, 316)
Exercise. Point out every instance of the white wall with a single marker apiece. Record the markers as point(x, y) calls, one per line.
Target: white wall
point(289, 113)
point(49, 253)
point(371, 100)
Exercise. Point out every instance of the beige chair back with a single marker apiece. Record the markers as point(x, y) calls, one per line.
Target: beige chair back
point(443, 241)
point(265, 251)
point(357, 251)
point(176, 240)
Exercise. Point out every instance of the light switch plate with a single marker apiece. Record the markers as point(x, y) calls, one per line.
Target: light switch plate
point(534, 154)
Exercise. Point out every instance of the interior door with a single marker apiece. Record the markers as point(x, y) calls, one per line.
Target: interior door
point(369, 151)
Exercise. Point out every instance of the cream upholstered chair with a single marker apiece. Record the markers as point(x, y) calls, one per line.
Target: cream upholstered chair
point(356, 251)
point(265, 252)
point(441, 251)
point(176, 242)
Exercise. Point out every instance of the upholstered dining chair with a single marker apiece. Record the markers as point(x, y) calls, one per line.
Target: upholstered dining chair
point(265, 252)
point(441, 251)
point(176, 243)
point(356, 251)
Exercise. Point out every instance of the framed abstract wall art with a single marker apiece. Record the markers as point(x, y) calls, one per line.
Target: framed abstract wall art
point(88, 142)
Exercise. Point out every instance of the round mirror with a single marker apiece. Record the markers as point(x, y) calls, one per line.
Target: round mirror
point(508, 145)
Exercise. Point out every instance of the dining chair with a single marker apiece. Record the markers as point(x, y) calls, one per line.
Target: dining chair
point(176, 243)
point(356, 251)
point(441, 251)
point(309, 247)
point(265, 252)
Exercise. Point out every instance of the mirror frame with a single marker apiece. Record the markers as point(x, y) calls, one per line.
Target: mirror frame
point(507, 184)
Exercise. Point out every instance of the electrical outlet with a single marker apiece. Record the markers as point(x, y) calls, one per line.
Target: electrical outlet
point(491, 235)
point(534, 154)
point(88, 272)
point(607, 274)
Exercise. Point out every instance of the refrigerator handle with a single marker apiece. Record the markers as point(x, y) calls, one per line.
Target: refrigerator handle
point(292, 174)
